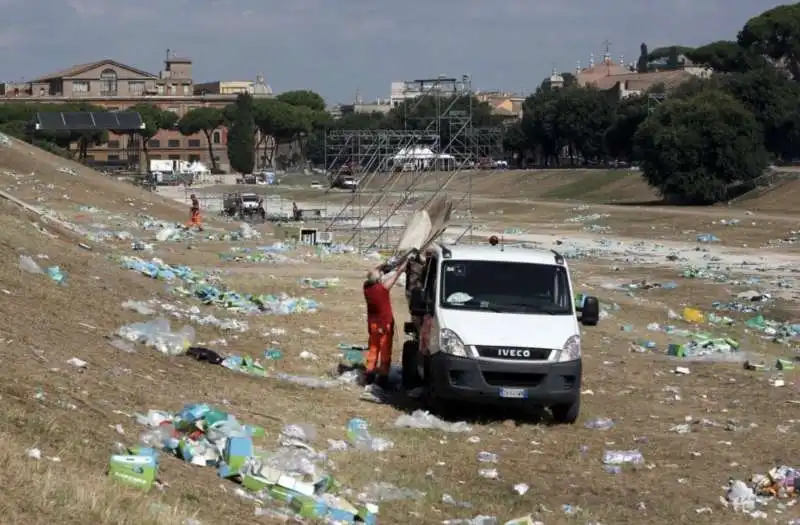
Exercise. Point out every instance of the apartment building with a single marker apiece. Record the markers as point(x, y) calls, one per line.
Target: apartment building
point(116, 86)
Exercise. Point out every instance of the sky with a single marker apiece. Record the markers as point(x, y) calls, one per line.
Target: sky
point(338, 47)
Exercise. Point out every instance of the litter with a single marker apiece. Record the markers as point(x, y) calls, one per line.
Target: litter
point(159, 335)
point(422, 419)
point(359, 436)
point(206, 288)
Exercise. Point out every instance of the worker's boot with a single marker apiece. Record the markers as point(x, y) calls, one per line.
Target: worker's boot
point(383, 382)
point(368, 379)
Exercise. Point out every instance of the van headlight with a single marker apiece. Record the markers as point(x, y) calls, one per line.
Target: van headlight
point(571, 351)
point(450, 343)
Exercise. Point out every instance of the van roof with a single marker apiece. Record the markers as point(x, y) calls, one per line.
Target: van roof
point(472, 252)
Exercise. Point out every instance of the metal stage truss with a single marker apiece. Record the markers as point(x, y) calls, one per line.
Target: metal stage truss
point(401, 171)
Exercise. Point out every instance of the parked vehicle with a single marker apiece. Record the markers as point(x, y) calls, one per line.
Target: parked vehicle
point(495, 324)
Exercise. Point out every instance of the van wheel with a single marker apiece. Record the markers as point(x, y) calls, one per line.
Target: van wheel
point(411, 378)
point(590, 311)
point(568, 413)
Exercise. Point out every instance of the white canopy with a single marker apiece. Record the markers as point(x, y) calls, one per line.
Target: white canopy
point(420, 153)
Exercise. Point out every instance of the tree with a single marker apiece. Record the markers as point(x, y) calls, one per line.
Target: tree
point(643, 64)
point(673, 58)
point(702, 149)
point(241, 135)
point(774, 100)
point(516, 142)
point(664, 52)
point(630, 114)
point(204, 120)
point(775, 34)
point(726, 57)
point(154, 120)
point(303, 98)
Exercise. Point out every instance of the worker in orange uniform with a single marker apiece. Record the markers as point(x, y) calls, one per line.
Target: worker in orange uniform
point(195, 218)
point(380, 324)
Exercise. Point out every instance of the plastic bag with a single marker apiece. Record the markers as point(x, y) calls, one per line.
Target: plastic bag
point(422, 419)
point(29, 265)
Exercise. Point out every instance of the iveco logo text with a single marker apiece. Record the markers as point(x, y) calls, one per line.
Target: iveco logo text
point(510, 352)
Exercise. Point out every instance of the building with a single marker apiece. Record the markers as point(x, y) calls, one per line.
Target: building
point(115, 86)
point(503, 104)
point(234, 87)
point(622, 77)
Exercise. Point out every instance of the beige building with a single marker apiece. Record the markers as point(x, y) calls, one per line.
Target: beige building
point(116, 86)
point(503, 104)
point(234, 87)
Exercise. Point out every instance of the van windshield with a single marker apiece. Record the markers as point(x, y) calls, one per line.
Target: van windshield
point(506, 287)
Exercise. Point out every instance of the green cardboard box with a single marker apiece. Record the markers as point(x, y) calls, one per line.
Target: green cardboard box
point(136, 471)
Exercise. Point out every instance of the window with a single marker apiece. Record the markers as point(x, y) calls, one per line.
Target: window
point(154, 143)
point(80, 86)
point(194, 143)
point(113, 157)
point(174, 143)
point(108, 83)
point(160, 89)
point(171, 89)
point(217, 137)
point(113, 144)
point(136, 87)
point(194, 158)
point(174, 157)
point(506, 287)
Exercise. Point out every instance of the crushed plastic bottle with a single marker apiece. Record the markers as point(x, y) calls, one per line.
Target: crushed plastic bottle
point(600, 423)
point(622, 457)
point(359, 436)
point(57, 274)
point(29, 265)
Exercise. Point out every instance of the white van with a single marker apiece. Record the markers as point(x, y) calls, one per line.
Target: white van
point(497, 324)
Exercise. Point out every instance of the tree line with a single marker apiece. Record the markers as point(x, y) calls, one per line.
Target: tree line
point(257, 128)
point(710, 138)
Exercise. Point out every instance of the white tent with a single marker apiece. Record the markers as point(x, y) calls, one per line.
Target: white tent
point(420, 157)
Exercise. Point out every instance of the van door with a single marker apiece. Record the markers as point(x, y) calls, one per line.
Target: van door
point(427, 325)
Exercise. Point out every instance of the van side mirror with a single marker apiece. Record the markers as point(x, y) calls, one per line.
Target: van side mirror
point(417, 304)
point(590, 311)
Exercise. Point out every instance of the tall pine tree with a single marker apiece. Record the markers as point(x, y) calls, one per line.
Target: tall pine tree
point(642, 63)
point(241, 135)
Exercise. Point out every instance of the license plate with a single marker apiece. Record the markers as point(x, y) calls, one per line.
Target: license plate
point(513, 393)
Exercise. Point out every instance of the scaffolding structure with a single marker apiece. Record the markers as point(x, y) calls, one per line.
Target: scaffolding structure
point(390, 186)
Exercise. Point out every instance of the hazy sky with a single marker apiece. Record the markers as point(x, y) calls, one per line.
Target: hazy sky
point(336, 47)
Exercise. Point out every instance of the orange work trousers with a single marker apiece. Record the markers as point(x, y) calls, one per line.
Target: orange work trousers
point(195, 219)
point(379, 354)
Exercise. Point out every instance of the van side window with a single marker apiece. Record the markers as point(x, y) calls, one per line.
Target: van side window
point(430, 280)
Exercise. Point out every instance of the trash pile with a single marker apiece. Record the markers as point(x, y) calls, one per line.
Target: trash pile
point(781, 483)
point(248, 365)
point(261, 255)
point(191, 313)
point(208, 290)
point(294, 478)
point(779, 332)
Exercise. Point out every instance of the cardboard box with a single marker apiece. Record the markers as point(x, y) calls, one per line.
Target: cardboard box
point(237, 451)
point(308, 506)
point(136, 471)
